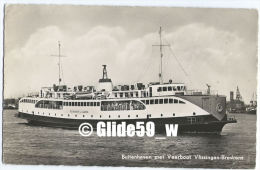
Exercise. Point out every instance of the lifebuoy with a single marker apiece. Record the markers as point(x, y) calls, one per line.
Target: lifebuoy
point(219, 107)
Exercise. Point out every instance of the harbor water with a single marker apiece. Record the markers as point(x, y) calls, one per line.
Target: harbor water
point(35, 145)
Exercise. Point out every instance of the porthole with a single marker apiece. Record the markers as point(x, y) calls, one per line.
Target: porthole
point(118, 116)
point(109, 116)
point(194, 113)
point(61, 114)
point(100, 116)
point(55, 114)
point(173, 114)
point(128, 115)
point(76, 115)
point(161, 115)
point(49, 114)
point(91, 115)
point(83, 115)
point(136, 115)
point(43, 113)
point(68, 115)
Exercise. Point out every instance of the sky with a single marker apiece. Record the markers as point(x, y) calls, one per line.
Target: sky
point(207, 46)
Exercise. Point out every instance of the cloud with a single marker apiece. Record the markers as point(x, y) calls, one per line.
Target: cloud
point(209, 55)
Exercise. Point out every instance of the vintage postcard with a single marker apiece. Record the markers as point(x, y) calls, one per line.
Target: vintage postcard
point(130, 86)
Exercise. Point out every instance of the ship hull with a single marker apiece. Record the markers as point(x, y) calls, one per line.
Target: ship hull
point(251, 112)
point(202, 127)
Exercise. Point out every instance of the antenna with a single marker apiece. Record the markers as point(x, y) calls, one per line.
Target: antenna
point(161, 55)
point(59, 63)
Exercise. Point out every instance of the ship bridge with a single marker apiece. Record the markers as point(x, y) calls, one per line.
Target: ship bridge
point(166, 89)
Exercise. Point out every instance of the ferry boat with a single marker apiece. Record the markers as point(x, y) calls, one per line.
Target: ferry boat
point(160, 102)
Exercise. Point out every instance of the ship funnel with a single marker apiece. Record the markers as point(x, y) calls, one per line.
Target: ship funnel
point(105, 84)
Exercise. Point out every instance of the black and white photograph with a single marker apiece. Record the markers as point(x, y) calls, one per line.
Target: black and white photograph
point(129, 86)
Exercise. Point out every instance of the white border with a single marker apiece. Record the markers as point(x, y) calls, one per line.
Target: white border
point(248, 4)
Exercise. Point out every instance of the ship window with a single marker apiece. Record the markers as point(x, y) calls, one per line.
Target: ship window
point(191, 120)
point(143, 101)
point(164, 88)
point(69, 103)
point(91, 103)
point(136, 94)
point(174, 88)
point(91, 115)
point(81, 104)
point(161, 115)
point(95, 104)
point(136, 115)
point(100, 116)
point(151, 101)
point(131, 94)
point(159, 89)
point(122, 105)
point(98, 103)
point(87, 103)
point(165, 101)
point(126, 95)
point(161, 101)
point(147, 102)
point(182, 102)
point(170, 100)
point(169, 88)
point(156, 101)
point(178, 88)
point(118, 116)
point(83, 115)
point(72, 104)
point(128, 115)
point(173, 114)
point(61, 114)
point(68, 115)
point(115, 94)
point(121, 94)
point(76, 116)
point(194, 113)
point(84, 104)
point(49, 104)
point(175, 101)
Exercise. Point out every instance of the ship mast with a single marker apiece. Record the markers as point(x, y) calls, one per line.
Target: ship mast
point(161, 56)
point(59, 61)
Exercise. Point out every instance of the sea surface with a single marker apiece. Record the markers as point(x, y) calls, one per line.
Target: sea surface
point(32, 145)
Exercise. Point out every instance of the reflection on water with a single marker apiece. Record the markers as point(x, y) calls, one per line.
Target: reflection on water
point(23, 144)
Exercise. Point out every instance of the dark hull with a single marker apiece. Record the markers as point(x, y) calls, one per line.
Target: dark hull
point(251, 112)
point(209, 126)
